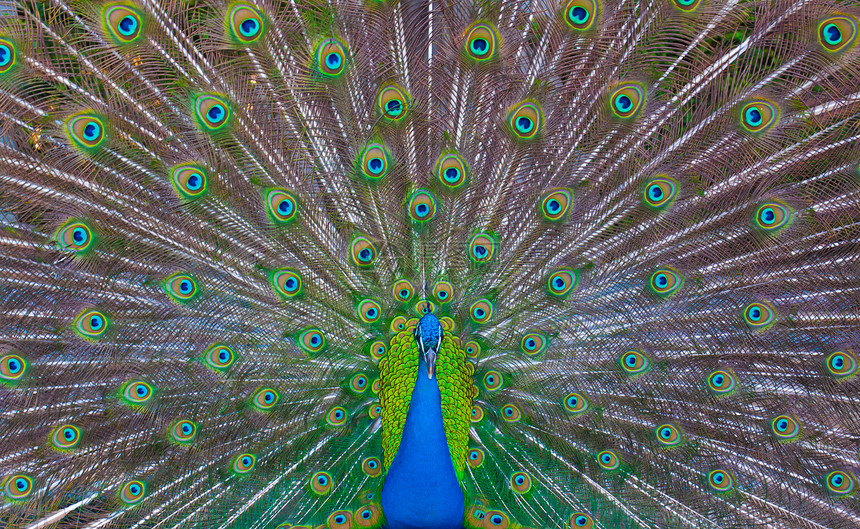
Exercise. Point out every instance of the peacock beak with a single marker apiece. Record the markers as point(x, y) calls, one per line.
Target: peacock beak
point(430, 360)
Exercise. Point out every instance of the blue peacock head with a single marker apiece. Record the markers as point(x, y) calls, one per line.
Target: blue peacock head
point(428, 334)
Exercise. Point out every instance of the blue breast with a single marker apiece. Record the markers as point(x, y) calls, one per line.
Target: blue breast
point(421, 489)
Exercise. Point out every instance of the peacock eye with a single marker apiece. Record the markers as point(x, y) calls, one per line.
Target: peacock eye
point(451, 170)
point(212, 112)
point(758, 116)
point(525, 120)
point(392, 103)
point(837, 33)
point(374, 161)
point(580, 14)
point(482, 247)
point(330, 58)
point(635, 362)
point(481, 42)
point(627, 100)
point(7, 55)
point(246, 23)
point(421, 206)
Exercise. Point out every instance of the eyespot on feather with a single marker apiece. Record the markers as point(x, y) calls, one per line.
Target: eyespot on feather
point(183, 431)
point(321, 483)
point(12, 368)
point(91, 324)
point(493, 381)
point(282, 205)
point(759, 315)
point(665, 281)
point(378, 349)
point(525, 120)
point(581, 14)
point(265, 399)
point(837, 33)
point(477, 414)
point(521, 482)
point(123, 23)
point(608, 460)
point(367, 516)
point(481, 42)
point(660, 192)
point(181, 288)
point(336, 416)
point(580, 520)
point(86, 131)
point(374, 161)
point(668, 435)
point(403, 290)
point(368, 310)
point(562, 282)
point(785, 428)
point(452, 170)
point(635, 362)
point(18, 487)
point(212, 112)
point(481, 311)
point(511, 413)
point(421, 206)
point(371, 466)
point(392, 103)
point(722, 382)
point(443, 291)
point(363, 251)
point(330, 58)
point(398, 324)
point(475, 457)
point(627, 100)
point(219, 357)
point(772, 216)
point(721, 481)
point(245, 23)
point(189, 180)
point(575, 403)
point(472, 348)
point(840, 482)
point(244, 463)
point(8, 55)
point(688, 6)
point(358, 383)
point(66, 437)
point(842, 364)
point(137, 393)
point(482, 248)
point(312, 340)
point(758, 116)
point(287, 283)
point(533, 343)
point(556, 204)
point(132, 492)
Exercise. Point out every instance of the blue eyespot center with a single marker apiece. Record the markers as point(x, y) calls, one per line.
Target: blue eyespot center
point(186, 429)
point(185, 286)
point(624, 103)
point(578, 15)
point(135, 489)
point(366, 514)
point(782, 425)
point(249, 27)
point(96, 323)
point(69, 434)
point(553, 206)
point(364, 254)
point(656, 193)
point(838, 361)
point(333, 60)
point(496, 520)
point(662, 280)
point(338, 414)
point(480, 46)
point(393, 107)
point(315, 339)
point(322, 480)
point(581, 521)
point(631, 360)
point(285, 207)
point(836, 480)
point(21, 484)
point(422, 210)
point(127, 25)
point(5, 55)
point(215, 113)
point(374, 165)
point(832, 34)
point(452, 174)
point(524, 124)
point(718, 380)
point(755, 314)
point(79, 235)
point(14, 365)
point(666, 433)
point(223, 356)
point(91, 131)
point(480, 251)
point(754, 117)
point(194, 182)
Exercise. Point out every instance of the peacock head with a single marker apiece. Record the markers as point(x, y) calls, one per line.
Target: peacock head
point(428, 334)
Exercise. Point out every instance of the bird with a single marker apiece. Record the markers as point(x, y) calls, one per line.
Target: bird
point(272, 264)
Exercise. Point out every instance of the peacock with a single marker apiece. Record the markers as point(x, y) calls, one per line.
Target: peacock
point(271, 264)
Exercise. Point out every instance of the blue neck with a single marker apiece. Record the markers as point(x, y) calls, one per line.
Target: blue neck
point(421, 488)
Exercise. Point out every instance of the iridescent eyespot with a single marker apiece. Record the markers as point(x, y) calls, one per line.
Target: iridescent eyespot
point(840, 482)
point(837, 33)
point(627, 100)
point(246, 23)
point(321, 483)
point(580, 520)
point(91, 324)
point(759, 316)
point(331, 57)
point(758, 116)
point(721, 480)
point(665, 282)
point(18, 487)
point(525, 120)
point(374, 161)
point(521, 482)
point(368, 311)
point(66, 437)
point(481, 42)
point(378, 349)
point(358, 383)
point(371, 466)
point(580, 14)
point(183, 431)
point(363, 251)
point(403, 290)
point(533, 343)
point(339, 520)
point(721, 382)
point(282, 205)
point(189, 181)
point(475, 457)
point(477, 413)
point(842, 364)
point(556, 203)
point(7, 55)
point(375, 387)
point(452, 170)
point(493, 380)
point(244, 463)
point(575, 403)
point(75, 237)
point(660, 192)
point(511, 413)
point(424, 307)
point(482, 247)
point(287, 282)
point(392, 103)
point(772, 216)
point(336, 416)
point(785, 428)
point(219, 357)
point(212, 112)
point(180, 287)
point(375, 410)
point(137, 392)
point(265, 399)
point(398, 324)
point(443, 291)
point(481, 311)
point(421, 206)
point(497, 519)
point(86, 130)
point(312, 340)
point(562, 282)
point(132, 492)
point(12, 368)
point(473, 350)
point(635, 362)
point(123, 23)
point(668, 435)
point(687, 5)
point(447, 323)
point(608, 460)
point(367, 516)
